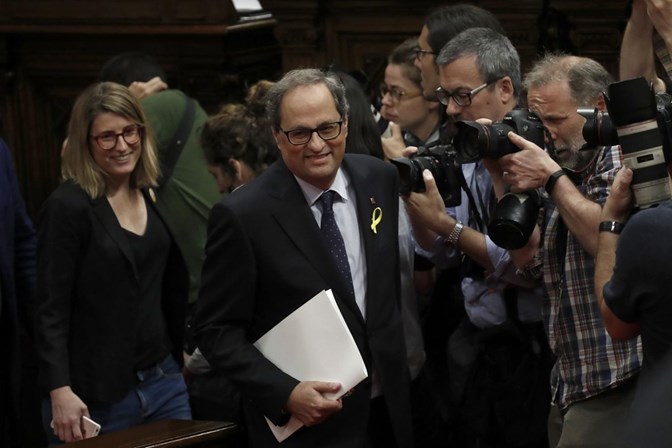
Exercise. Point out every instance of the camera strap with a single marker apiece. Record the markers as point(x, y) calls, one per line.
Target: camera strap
point(474, 213)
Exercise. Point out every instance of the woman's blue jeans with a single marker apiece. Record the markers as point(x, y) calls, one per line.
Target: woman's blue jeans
point(160, 394)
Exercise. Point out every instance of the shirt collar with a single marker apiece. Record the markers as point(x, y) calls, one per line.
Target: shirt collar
point(312, 193)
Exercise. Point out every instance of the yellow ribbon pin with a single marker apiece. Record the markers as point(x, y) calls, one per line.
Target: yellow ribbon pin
point(376, 217)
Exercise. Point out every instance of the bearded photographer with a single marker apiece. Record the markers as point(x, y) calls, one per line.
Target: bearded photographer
point(480, 77)
point(593, 377)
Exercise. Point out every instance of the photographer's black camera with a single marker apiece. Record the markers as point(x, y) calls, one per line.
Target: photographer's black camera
point(475, 141)
point(441, 161)
point(515, 215)
point(640, 122)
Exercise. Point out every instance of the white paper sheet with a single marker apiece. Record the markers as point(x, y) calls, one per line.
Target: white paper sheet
point(247, 5)
point(314, 344)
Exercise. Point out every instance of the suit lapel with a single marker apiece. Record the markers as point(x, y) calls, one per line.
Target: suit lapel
point(104, 212)
point(371, 196)
point(294, 216)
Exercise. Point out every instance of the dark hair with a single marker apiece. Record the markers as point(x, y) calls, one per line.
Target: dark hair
point(240, 132)
point(403, 55)
point(126, 68)
point(446, 22)
point(496, 56)
point(363, 133)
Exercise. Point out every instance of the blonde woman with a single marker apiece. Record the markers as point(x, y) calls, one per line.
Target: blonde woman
point(112, 287)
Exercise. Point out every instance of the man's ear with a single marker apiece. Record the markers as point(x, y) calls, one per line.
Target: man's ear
point(506, 92)
point(237, 171)
point(600, 103)
point(276, 137)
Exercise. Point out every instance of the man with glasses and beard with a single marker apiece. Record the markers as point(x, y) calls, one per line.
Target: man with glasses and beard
point(480, 78)
point(593, 376)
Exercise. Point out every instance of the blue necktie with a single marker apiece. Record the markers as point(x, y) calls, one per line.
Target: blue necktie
point(334, 239)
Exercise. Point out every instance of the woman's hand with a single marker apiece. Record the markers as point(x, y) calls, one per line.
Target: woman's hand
point(67, 410)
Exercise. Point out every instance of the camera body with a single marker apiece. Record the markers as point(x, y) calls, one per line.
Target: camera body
point(640, 121)
point(515, 215)
point(475, 141)
point(441, 161)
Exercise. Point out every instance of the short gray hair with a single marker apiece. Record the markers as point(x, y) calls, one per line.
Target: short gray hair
point(587, 79)
point(496, 56)
point(302, 77)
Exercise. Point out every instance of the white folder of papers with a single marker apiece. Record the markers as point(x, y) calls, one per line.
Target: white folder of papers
point(314, 344)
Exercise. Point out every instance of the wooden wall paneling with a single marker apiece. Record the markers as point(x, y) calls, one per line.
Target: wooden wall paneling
point(48, 56)
point(364, 42)
point(299, 31)
point(50, 49)
point(113, 11)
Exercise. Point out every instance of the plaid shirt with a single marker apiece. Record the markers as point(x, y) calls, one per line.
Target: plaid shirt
point(588, 361)
point(663, 54)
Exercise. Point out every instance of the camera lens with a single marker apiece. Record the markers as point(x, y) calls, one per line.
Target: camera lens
point(598, 129)
point(471, 137)
point(408, 174)
point(513, 219)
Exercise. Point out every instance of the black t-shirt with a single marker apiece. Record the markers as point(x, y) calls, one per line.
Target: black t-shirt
point(640, 289)
point(151, 255)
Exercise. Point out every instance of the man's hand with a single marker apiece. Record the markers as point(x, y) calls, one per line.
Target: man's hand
point(144, 89)
point(394, 145)
point(67, 410)
point(528, 168)
point(307, 403)
point(428, 209)
point(620, 200)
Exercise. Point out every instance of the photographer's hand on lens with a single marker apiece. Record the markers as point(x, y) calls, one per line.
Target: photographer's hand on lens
point(394, 145)
point(620, 200)
point(409, 151)
point(428, 209)
point(529, 168)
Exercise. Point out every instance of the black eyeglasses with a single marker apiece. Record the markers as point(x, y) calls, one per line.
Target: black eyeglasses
point(108, 140)
point(462, 99)
point(419, 52)
point(397, 94)
point(301, 136)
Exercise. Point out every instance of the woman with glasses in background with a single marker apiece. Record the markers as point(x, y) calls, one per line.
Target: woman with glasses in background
point(414, 120)
point(112, 286)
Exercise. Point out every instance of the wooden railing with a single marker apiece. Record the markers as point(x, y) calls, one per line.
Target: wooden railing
point(170, 434)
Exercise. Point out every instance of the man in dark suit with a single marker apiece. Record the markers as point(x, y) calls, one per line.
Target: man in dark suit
point(266, 256)
point(17, 285)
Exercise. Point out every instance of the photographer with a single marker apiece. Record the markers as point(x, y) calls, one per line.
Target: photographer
point(593, 375)
point(480, 78)
point(632, 285)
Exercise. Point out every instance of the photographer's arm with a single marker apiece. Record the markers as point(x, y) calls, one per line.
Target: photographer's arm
point(429, 218)
point(615, 209)
point(637, 56)
point(660, 15)
point(531, 167)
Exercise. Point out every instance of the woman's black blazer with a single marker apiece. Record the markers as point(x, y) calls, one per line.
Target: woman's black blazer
point(87, 300)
